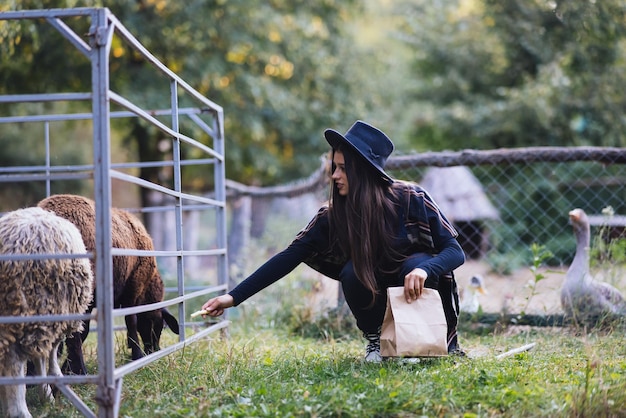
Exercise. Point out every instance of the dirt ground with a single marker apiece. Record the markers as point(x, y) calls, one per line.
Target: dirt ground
point(512, 293)
point(517, 292)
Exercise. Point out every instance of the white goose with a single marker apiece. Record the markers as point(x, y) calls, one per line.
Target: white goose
point(469, 298)
point(583, 298)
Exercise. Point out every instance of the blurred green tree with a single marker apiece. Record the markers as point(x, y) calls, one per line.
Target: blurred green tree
point(283, 71)
point(492, 74)
point(503, 74)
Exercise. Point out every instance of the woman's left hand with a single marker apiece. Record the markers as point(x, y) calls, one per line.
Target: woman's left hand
point(414, 284)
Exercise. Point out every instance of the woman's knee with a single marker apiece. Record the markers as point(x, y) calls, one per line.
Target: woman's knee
point(348, 277)
point(354, 291)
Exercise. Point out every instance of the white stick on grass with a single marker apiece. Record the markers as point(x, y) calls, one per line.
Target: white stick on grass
point(516, 351)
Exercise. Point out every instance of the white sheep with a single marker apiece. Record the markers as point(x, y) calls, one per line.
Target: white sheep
point(50, 286)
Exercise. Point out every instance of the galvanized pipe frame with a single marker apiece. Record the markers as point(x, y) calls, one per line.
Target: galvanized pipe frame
point(103, 27)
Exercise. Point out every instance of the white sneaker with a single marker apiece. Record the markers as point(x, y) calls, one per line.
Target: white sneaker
point(372, 351)
point(373, 357)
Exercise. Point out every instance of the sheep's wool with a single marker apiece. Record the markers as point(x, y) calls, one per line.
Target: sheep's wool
point(40, 287)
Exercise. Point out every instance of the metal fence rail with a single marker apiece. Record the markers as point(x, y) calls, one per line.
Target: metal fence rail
point(207, 119)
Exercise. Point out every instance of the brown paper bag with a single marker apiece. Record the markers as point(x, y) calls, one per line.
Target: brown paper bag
point(416, 329)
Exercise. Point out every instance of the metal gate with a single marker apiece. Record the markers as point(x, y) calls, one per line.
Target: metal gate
point(171, 121)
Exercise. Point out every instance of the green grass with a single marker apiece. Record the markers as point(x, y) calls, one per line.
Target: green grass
point(282, 360)
point(271, 373)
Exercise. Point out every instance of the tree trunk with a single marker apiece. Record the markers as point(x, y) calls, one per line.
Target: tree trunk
point(260, 210)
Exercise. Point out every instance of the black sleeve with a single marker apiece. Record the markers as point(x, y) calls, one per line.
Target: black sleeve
point(270, 272)
point(310, 241)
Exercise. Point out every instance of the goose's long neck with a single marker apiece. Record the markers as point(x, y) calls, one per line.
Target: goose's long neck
point(579, 269)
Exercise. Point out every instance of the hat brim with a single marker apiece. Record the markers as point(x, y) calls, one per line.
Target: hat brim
point(336, 140)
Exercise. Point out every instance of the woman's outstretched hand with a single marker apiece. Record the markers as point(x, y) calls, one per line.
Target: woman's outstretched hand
point(216, 305)
point(414, 284)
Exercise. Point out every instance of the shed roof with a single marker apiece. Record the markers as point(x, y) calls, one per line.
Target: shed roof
point(459, 194)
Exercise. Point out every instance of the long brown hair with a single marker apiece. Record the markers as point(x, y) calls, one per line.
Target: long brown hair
point(364, 222)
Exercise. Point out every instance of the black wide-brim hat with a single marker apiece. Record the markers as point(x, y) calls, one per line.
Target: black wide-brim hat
point(368, 141)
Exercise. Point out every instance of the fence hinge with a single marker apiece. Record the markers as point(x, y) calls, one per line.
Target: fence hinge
point(99, 34)
point(102, 35)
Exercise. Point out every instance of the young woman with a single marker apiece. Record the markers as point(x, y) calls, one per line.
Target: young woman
point(375, 232)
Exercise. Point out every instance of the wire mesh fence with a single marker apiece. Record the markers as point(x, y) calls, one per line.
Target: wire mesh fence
point(504, 201)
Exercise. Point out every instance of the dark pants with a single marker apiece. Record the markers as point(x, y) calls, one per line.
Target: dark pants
point(370, 318)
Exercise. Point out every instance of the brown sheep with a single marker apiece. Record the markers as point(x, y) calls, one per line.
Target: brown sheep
point(136, 280)
point(28, 287)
